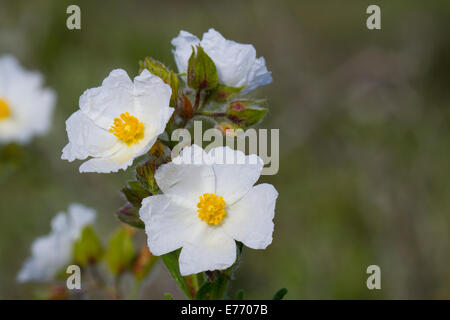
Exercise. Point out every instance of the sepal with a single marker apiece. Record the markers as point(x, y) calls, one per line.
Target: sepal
point(202, 72)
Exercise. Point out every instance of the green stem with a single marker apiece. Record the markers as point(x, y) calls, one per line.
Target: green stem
point(135, 290)
point(220, 286)
point(195, 284)
point(197, 99)
point(171, 261)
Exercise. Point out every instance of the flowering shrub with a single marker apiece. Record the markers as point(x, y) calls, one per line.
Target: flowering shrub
point(198, 208)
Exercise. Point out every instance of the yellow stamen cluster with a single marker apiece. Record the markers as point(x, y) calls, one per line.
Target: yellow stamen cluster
point(127, 128)
point(5, 112)
point(211, 208)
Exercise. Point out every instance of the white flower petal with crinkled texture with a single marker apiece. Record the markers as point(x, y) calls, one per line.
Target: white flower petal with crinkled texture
point(185, 183)
point(51, 253)
point(250, 218)
point(171, 219)
point(215, 251)
point(236, 63)
point(88, 129)
point(29, 106)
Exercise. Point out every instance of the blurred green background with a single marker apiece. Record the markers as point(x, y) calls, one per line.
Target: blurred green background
point(364, 120)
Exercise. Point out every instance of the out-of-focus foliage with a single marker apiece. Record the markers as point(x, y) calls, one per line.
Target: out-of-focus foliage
point(364, 120)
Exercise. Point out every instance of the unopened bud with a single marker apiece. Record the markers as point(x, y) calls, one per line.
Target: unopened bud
point(245, 112)
point(185, 109)
point(227, 128)
point(202, 72)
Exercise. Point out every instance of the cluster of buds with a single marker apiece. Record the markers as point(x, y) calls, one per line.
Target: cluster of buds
point(204, 95)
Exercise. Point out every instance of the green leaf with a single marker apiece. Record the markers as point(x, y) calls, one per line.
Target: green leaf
point(135, 193)
point(245, 112)
point(132, 197)
point(280, 294)
point(145, 174)
point(155, 67)
point(130, 215)
point(138, 189)
point(240, 295)
point(223, 93)
point(202, 72)
point(168, 296)
point(204, 293)
point(171, 261)
point(87, 249)
point(174, 83)
point(220, 285)
point(120, 252)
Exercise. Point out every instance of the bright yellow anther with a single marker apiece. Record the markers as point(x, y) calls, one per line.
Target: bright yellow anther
point(5, 112)
point(211, 208)
point(127, 129)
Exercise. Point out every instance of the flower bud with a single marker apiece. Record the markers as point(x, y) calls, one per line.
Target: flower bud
point(185, 109)
point(129, 214)
point(87, 249)
point(202, 72)
point(120, 252)
point(227, 128)
point(245, 112)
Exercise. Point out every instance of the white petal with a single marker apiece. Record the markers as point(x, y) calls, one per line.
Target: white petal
point(50, 253)
point(235, 172)
point(250, 219)
point(31, 271)
point(15, 80)
point(31, 105)
point(115, 96)
point(233, 60)
point(184, 183)
point(153, 97)
point(87, 139)
point(167, 224)
point(107, 165)
point(80, 216)
point(183, 49)
point(60, 223)
point(44, 103)
point(257, 76)
point(44, 262)
point(88, 129)
point(213, 250)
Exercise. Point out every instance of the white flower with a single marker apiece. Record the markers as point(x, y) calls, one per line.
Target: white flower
point(118, 121)
point(51, 253)
point(236, 63)
point(207, 204)
point(26, 107)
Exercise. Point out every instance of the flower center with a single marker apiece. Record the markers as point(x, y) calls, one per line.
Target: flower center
point(127, 128)
point(5, 112)
point(211, 208)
